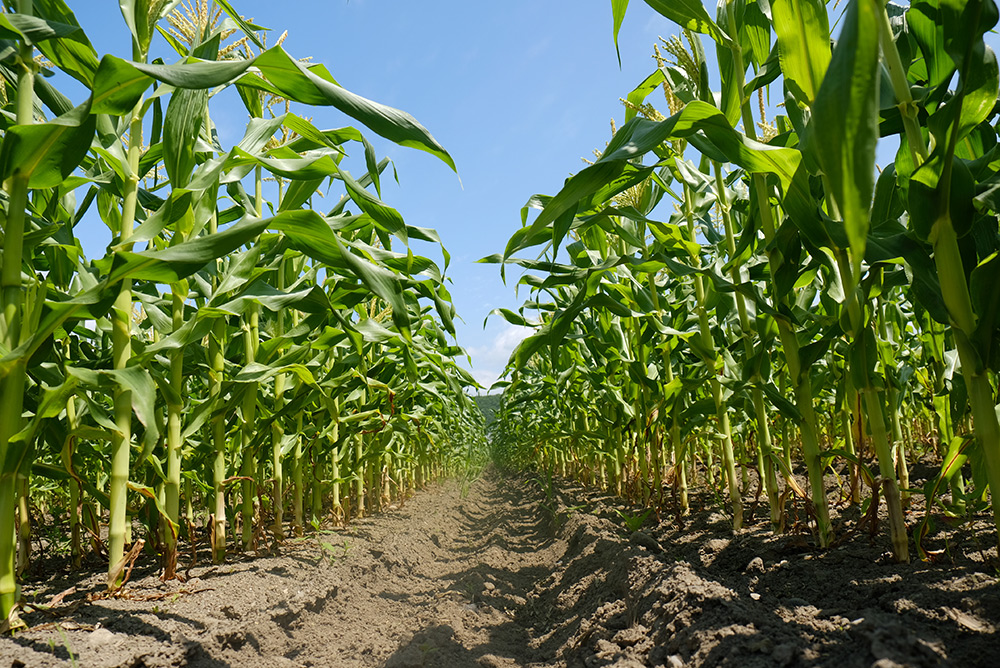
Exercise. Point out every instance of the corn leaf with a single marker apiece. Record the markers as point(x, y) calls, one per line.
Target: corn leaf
point(803, 34)
point(843, 130)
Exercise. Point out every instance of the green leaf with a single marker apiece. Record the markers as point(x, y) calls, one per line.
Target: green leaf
point(20, 446)
point(143, 390)
point(383, 283)
point(373, 332)
point(690, 14)
point(298, 192)
point(371, 162)
point(803, 35)
point(117, 87)
point(34, 29)
point(258, 373)
point(843, 130)
point(965, 24)
point(925, 288)
point(294, 81)
point(578, 196)
point(784, 406)
point(248, 30)
point(618, 9)
point(769, 71)
point(979, 86)
point(756, 33)
point(388, 217)
point(312, 138)
point(615, 170)
point(75, 56)
point(181, 126)
point(642, 91)
point(180, 261)
point(528, 347)
point(47, 153)
point(119, 84)
point(175, 208)
point(308, 300)
point(731, 101)
point(312, 235)
point(507, 314)
point(926, 202)
point(927, 27)
point(863, 357)
point(141, 17)
point(887, 203)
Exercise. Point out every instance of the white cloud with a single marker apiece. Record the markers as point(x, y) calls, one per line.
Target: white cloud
point(488, 361)
point(508, 339)
point(484, 378)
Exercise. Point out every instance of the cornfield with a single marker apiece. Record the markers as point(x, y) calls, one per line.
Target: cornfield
point(238, 364)
point(754, 300)
point(735, 297)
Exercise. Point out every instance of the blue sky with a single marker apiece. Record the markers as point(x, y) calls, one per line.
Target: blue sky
point(518, 92)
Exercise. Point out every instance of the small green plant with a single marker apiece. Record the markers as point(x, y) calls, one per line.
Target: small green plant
point(634, 522)
point(427, 649)
point(333, 553)
point(548, 486)
point(66, 644)
point(559, 516)
point(470, 476)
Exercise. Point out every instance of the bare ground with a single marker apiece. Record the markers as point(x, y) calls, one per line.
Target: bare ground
point(509, 574)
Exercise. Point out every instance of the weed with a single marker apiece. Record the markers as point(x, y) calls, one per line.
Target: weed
point(333, 553)
point(633, 522)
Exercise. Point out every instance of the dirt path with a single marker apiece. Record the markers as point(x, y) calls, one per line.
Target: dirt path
point(436, 583)
point(507, 575)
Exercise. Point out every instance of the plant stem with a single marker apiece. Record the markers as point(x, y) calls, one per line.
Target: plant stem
point(802, 384)
point(277, 433)
point(218, 365)
point(948, 260)
point(765, 465)
point(121, 340)
point(359, 464)
point(249, 467)
point(12, 296)
point(875, 407)
point(297, 495)
point(900, 86)
point(175, 408)
point(721, 409)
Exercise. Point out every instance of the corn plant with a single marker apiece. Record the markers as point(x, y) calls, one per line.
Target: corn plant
point(231, 332)
point(788, 263)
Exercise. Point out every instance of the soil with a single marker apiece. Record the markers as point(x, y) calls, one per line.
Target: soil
point(517, 572)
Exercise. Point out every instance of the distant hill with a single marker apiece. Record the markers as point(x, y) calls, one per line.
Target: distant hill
point(489, 404)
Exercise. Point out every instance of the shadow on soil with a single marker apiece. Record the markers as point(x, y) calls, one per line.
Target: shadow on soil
point(695, 594)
